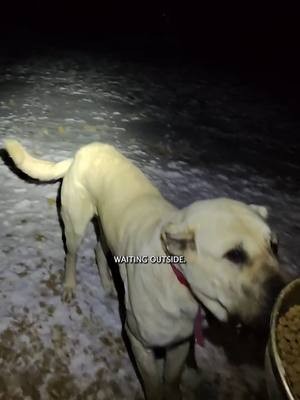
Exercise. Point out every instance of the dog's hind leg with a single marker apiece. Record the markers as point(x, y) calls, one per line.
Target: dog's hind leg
point(77, 211)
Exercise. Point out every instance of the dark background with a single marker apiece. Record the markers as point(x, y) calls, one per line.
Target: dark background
point(239, 129)
point(211, 31)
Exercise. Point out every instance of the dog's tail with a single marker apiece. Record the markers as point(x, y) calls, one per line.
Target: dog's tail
point(33, 167)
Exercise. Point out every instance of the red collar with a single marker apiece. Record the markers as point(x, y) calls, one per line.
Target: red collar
point(180, 276)
point(199, 338)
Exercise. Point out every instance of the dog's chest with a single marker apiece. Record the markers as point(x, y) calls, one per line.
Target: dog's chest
point(160, 320)
point(165, 330)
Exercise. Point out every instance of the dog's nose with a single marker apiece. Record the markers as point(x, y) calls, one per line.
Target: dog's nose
point(273, 287)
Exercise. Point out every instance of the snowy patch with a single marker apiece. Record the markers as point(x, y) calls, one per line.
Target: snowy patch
point(49, 350)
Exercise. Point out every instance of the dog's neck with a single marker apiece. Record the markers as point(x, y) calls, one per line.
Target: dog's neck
point(198, 332)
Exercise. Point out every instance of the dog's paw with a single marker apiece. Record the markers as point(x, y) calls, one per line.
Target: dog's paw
point(68, 295)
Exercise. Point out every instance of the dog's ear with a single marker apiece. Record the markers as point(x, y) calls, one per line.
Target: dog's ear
point(177, 240)
point(260, 210)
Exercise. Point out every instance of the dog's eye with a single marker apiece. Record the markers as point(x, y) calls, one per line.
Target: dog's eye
point(236, 256)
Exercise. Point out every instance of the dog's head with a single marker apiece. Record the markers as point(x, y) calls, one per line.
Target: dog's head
point(231, 257)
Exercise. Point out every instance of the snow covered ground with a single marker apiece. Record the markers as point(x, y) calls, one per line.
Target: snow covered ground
point(197, 136)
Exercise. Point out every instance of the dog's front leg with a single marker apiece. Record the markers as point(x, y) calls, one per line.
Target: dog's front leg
point(148, 368)
point(174, 364)
point(104, 271)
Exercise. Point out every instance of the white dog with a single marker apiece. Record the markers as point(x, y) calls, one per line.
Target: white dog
point(231, 254)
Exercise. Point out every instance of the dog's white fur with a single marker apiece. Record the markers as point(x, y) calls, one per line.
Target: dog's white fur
point(137, 220)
